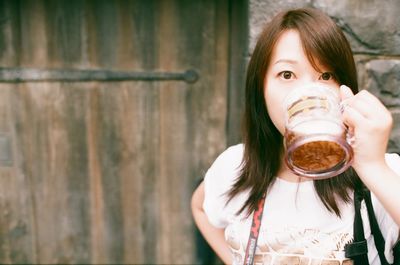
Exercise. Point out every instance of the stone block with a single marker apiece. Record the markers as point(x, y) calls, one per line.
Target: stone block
point(394, 141)
point(382, 78)
point(260, 12)
point(371, 27)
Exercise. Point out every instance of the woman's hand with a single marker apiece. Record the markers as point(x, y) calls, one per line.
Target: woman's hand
point(370, 123)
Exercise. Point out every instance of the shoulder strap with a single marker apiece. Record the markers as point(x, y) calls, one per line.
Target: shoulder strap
point(357, 250)
point(376, 233)
point(375, 230)
point(254, 231)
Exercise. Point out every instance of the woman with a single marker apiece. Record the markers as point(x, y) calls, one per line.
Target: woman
point(304, 221)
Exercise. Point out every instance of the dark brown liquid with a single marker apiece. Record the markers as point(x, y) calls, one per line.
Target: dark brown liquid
point(318, 155)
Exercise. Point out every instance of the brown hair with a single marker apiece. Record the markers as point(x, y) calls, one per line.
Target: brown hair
point(324, 43)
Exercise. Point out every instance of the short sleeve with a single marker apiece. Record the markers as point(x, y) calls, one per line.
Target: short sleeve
point(217, 182)
point(393, 161)
point(388, 226)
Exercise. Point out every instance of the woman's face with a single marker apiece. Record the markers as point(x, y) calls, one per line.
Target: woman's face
point(290, 68)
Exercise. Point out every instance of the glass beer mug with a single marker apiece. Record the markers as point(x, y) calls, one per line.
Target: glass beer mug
point(316, 140)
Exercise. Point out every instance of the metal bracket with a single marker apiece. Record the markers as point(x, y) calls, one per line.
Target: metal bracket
point(19, 75)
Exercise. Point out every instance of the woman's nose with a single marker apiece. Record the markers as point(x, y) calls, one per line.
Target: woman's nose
point(309, 79)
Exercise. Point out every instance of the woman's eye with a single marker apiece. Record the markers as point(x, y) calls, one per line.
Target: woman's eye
point(327, 76)
point(286, 74)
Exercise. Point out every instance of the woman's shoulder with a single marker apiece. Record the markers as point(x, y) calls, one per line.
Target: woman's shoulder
point(217, 183)
point(227, 165)
point(231, 156)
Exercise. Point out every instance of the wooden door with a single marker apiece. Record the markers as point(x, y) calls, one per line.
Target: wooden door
point(100, 169)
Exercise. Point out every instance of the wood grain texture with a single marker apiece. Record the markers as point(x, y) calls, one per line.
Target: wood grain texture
point(103, 172)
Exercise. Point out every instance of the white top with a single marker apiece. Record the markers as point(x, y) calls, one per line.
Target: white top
point(296, 227)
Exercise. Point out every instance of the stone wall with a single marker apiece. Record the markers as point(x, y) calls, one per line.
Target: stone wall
point(373, 30)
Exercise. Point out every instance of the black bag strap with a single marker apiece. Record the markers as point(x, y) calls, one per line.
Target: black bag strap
point(358, 249)
point(375, 230)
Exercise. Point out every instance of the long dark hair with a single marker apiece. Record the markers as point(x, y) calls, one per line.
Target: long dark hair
point(325, 44)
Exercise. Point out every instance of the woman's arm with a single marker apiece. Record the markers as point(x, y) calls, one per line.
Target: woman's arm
point(214, 236)
point(371, 123)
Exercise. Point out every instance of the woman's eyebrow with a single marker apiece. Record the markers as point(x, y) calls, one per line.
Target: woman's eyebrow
point(290, 61)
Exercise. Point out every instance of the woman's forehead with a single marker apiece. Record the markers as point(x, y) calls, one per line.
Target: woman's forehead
point(289, 49)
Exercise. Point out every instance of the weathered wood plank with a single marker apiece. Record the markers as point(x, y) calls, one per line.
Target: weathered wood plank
point(238, 58)
point(189, 113)
point(51, 148)
point(65, 32)
point(33, 36)
point(144, 37)
point(18, 243)
point(17, 229)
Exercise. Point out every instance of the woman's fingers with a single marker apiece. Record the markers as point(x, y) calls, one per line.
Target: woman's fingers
point(365, 114)
point(369, 123)
point(363, 102)
point(352, 117)
point(345, 92)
